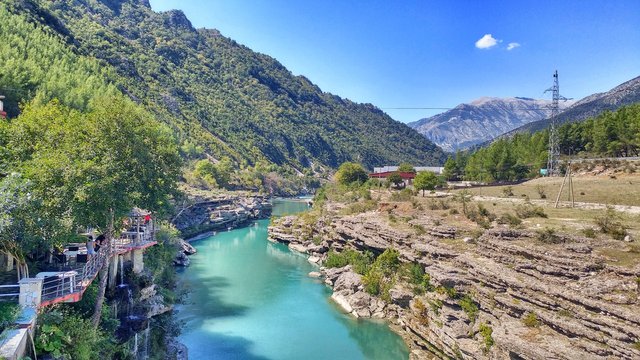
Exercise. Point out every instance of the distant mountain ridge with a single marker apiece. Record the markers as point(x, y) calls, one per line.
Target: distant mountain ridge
point(593, 105)
point(480, 121)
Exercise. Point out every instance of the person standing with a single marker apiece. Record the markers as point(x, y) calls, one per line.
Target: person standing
point(91, 245)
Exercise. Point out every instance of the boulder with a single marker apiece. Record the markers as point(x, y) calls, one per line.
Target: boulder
point(187, 248)
point(401, 297)
point(315, 274)
point(147, 292)
point(181, 259)
point(348, 280)
point(342, 301)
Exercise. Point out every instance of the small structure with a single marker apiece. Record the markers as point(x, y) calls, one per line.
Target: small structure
point(407, 177)
point(388, 169)
point(3, 114)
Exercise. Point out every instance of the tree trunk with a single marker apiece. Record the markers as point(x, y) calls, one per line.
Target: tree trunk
point(422, 192)
point(104, 276)
point(97, 310)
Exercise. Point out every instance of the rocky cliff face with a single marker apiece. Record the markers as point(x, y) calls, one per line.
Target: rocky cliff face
point(532, 300)
point(480, 121)
point(207, 214)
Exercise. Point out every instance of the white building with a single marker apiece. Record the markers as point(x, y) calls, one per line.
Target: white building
point(435, 169)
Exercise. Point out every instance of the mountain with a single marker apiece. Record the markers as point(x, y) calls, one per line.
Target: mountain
point(591, 106)
point(482, 120)
point(213, 92)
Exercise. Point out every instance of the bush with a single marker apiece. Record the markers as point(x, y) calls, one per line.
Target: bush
point(9, 313)
point(507, 191)
point(65, 335)
point(360, 262)
point(531, 320)
point(611, 223)
point(541, 191)
point(548, 236)
point(402, 195)
point(528, 210)
point(469, 307)
point(360, 207)
point(509, 219)
point(589, 232)
point(422, 313)
point(486, 331)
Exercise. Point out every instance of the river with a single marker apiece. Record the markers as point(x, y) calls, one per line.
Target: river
point(251, 299)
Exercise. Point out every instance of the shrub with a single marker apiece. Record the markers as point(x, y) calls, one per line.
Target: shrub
point(548, 236)
point(413, 272)
point(531, 320)
point(541, 191)
point(359, 261)
point(453, 212)
point(565, 313)
point(486, 331)
point(528, 210)
point(420, 230)
point(509, 219)
point(422, 313)
point(435, 306)
point(360, 207)
point(507, 191)
point(469, 307)
point(589, 232)
point(9, 313)
point(611, 223)
point(402, 195)
point(65, 335)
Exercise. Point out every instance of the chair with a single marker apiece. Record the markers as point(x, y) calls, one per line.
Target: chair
point(60, 259)
point(81, 258)
point(72, 252)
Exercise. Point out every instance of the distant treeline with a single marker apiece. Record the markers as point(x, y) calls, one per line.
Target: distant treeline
point(612, 134)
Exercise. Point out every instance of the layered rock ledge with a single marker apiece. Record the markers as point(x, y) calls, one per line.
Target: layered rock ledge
point(539, 300)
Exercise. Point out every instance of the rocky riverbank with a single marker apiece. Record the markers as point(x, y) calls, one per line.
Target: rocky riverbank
point(505, 293)
point(206, 214)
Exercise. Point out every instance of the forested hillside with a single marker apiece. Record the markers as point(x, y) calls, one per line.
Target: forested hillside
point(213, 92)
point(612, 134)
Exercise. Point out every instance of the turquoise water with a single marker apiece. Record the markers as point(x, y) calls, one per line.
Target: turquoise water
point(251, 299)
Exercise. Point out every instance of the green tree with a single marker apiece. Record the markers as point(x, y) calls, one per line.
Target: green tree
point(406, 167)
point(90, 169)
point(396, 179)
point(350, 172)
point(425, 180)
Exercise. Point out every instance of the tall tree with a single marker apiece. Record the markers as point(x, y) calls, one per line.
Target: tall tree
point(425, 180)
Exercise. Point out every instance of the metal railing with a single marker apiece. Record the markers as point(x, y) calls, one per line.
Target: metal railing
point(60, 284)
point(9, 292)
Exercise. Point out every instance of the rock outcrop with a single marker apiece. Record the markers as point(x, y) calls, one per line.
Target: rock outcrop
point(505, 295)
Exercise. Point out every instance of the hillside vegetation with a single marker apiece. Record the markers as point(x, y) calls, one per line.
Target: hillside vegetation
point(612, 134)
point(212, 92)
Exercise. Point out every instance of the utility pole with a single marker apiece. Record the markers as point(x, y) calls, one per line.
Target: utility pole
point(554, 146)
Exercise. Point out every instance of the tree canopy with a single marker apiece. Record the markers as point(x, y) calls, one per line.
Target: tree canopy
point(350, 172)
point(425, 180)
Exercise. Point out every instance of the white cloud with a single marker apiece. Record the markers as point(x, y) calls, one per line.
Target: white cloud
point(487, 41)
point(512, 45)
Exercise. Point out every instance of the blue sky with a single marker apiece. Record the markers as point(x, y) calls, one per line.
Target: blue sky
point(416, 53)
